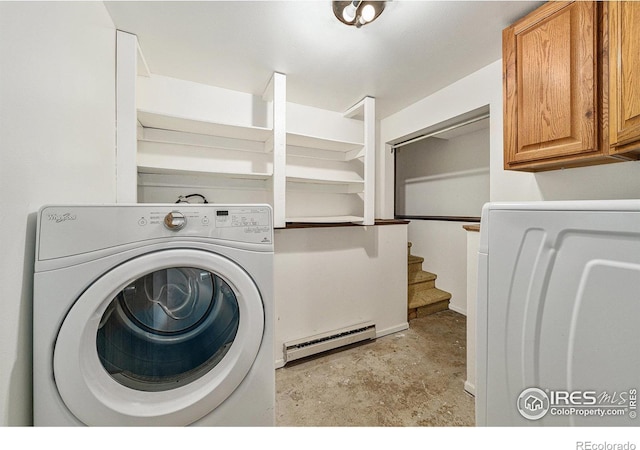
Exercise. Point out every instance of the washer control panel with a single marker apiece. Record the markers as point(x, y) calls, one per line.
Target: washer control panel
point(61, 225)
point(250, 219)
point(232, 222)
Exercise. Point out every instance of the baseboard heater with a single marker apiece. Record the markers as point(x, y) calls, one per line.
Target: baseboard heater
point(328, 341)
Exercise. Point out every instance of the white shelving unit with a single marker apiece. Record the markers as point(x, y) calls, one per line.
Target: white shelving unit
point(170, 144)
point(330, 170)
point(311, 165)
point(184, 147)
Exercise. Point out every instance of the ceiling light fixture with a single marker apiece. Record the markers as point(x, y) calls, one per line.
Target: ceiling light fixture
point(357, 13)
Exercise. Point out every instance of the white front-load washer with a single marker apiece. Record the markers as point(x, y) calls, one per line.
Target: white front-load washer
point(158, 315)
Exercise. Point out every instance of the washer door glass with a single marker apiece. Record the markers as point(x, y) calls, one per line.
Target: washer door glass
point(161, 339)
point(167, 328)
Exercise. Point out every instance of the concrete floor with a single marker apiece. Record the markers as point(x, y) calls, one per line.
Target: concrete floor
point(412, 378)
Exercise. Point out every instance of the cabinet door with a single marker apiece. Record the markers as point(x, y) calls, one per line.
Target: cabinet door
point(624, 76)
point(550, 85)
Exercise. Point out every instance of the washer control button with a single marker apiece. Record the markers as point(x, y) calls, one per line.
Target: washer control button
point(175, 220)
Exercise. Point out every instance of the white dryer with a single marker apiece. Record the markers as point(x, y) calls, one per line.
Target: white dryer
point(557, 314)
point(154, 315)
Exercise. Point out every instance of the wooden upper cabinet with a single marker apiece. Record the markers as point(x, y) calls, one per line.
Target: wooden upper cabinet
point(556, 86)
point(624, 76)
point(550, 85)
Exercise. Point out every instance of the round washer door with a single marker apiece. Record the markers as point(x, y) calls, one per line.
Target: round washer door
point(161, 339)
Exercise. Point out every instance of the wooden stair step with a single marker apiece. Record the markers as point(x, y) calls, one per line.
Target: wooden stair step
point(420, 281)
point(423, 311)
point(421, 276)
point(415, 289)
point(415, 263)
point(428, 297)
point(415, 259)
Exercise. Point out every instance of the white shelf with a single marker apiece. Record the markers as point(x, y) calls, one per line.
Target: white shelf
point(202, 180)
point(326, 219)
point(156, 135)
point(183, 159)
point(330, 155)
point(314, 142)
point(357, 111)
point(305, 170)
point(320, 180)
point(150, 119)
point(237, 175)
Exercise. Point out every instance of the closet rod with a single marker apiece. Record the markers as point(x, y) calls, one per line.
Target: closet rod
point(435, 133)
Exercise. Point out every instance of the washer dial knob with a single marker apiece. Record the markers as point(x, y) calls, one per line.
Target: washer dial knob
point(175, 220)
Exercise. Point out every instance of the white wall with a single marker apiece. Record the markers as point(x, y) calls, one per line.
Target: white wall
point(166, 95)
point(57, 131)
point(331, 278)
point(443, 177)
point(604, 182)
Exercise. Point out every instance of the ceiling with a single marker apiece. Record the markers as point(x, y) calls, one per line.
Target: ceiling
point(412, 50)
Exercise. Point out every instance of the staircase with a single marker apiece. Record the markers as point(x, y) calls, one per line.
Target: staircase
point(424, 297)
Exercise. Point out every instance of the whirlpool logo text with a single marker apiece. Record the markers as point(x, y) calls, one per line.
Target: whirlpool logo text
point(59, 218)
